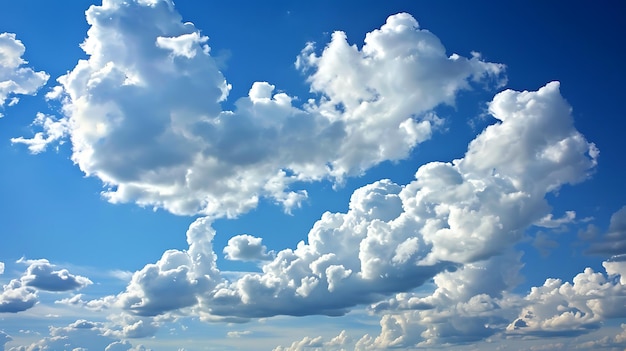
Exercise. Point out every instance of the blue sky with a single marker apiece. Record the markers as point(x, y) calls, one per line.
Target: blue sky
point(312, 176)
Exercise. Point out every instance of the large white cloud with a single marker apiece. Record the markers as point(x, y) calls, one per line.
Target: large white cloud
point(454, 221)
point(15, 79)
point(143, 111)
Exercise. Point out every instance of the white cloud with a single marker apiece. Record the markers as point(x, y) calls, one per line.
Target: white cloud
point(464, 217)
point(177, 278)
point(15, 79)
point(1, 267)
point(17, 297)
point(40, 274)
point(563, 309)
point(550, 222)
point(144, 116)
point(95, 305)
point(246, 248)
point(53, 130)
point(337, 343)
point(307, 343)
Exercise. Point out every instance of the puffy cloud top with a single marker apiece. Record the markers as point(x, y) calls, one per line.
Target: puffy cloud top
point(143, 111)
point(394, 238)
point(40, 274)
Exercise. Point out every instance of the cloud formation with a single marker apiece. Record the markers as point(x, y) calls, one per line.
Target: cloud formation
point(246, 248)
point(40, 274)
point(143, 111)
point(15, 79)
point(17, 297)
point(452, 218)
point(81, 335)
point(21, 294)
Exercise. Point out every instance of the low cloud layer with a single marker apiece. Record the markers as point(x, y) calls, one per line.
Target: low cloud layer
point(81, 335)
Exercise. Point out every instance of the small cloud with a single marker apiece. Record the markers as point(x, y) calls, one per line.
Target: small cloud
point(238, 334)
point(246, 248)
point(40, 274)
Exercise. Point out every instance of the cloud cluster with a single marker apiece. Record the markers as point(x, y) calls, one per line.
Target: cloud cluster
point(15, 79)
point(454, 221)
point(143, 111)
point(80, 335)
point(246, 248)
point(21, 294)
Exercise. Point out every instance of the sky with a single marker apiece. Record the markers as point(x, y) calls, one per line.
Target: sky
point(351, 175)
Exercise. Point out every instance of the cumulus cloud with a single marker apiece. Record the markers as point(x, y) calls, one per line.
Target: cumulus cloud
point(40, 274)
point(15, 79)
point(177, 278)
point(614, 241)
point(337, 343)
point(246, 248)
point(17, 297)
point(143, 111)
point(453, 222)
point(1, 267)
point(563, 309)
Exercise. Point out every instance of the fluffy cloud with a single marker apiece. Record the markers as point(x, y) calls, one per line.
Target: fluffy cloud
point(614, 241)
point(17, 297)
point(143, 111)
point(15, 79)
point(1, 267)
point(564, 309)
point(40, 274)
point(455, 221)
point(246, 248)
point(177, 278)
